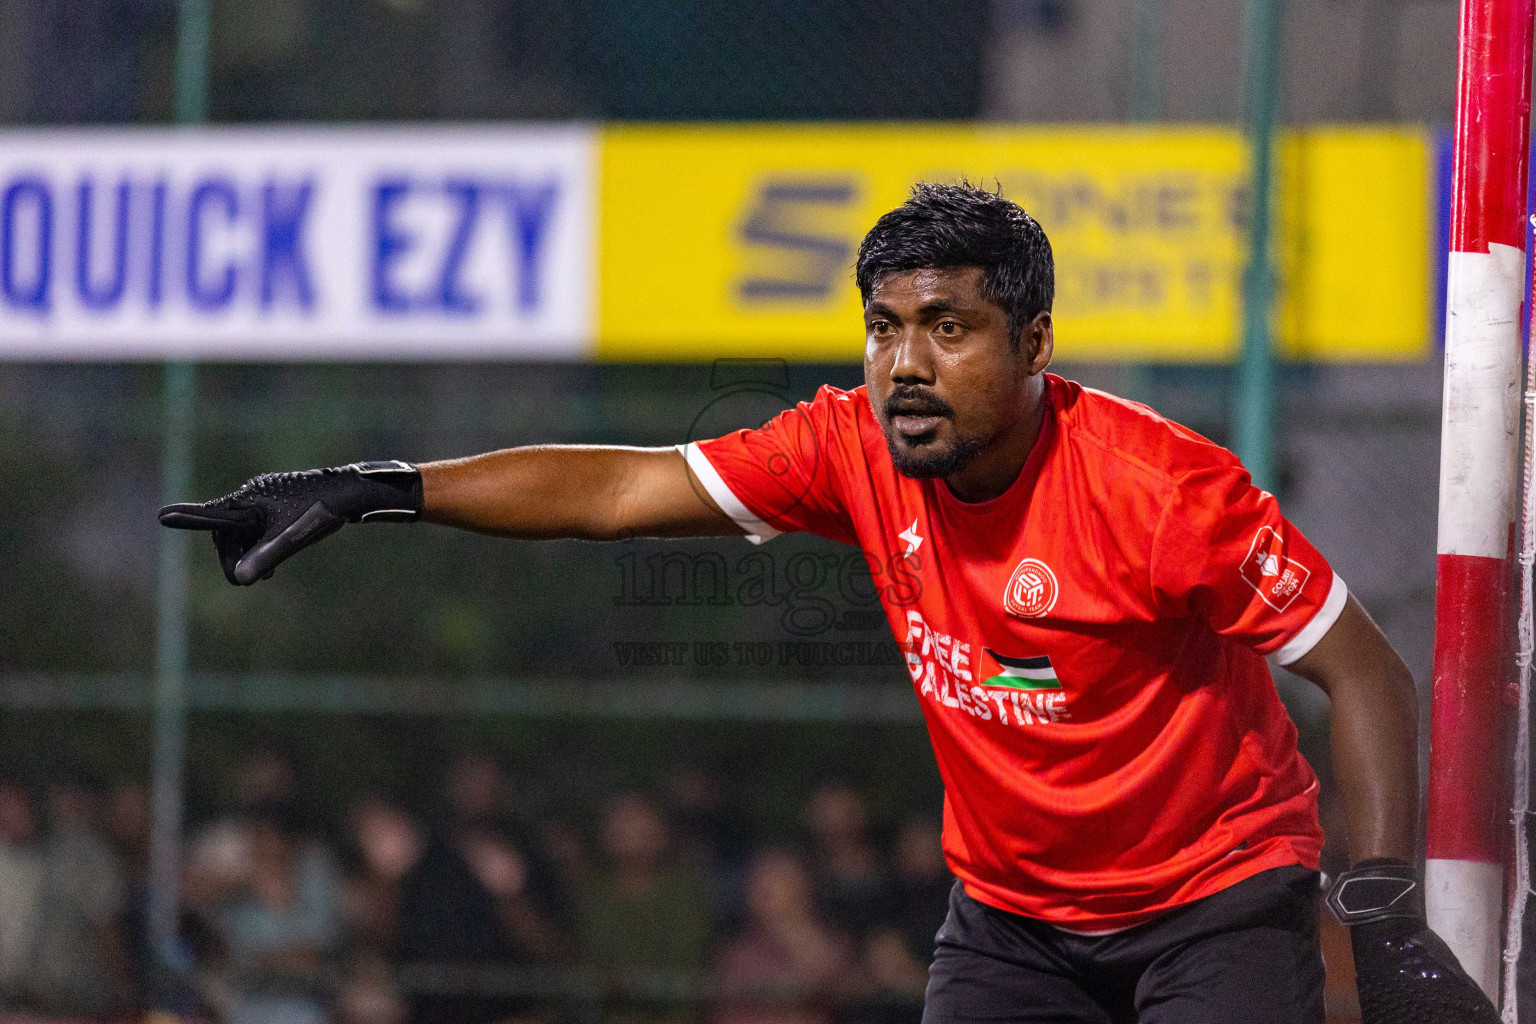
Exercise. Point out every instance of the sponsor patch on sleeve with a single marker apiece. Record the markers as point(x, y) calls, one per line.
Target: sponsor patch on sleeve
point(1278, 579)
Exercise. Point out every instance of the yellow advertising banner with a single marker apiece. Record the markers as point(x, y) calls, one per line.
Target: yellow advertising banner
point(739, 241)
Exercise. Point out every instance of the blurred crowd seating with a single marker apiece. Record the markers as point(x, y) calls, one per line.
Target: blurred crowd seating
point(656, 905)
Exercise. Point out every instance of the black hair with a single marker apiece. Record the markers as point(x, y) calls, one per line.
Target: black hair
point(961, 225)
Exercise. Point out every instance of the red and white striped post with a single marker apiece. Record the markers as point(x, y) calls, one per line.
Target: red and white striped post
point(1480, 429)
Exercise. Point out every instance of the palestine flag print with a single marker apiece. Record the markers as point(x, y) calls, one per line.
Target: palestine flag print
point(1018, 673)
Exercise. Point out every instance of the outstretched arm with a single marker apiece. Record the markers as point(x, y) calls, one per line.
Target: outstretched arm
point(589, 492)
point(594, 493)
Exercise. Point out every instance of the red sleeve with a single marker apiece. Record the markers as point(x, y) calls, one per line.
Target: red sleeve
point(1225, 553)
point(782, 477)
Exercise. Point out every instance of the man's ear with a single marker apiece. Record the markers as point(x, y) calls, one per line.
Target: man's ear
point(1039, 342)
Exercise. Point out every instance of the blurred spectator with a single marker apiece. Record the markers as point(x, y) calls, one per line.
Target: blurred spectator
point(480, 896)
point(368, 994)
point(280, 926)
point(787, 964)
point(386, 845)
point(851, 884)
point(268, 778)
point(128, 824)
point(711, 834)
point(21, 892)
point(566, 850)
point(643, 912)
point(896, 979)
point(80, 965)
point(219, 858)
point(477, 788)
point(922, 884)
point(897, 951)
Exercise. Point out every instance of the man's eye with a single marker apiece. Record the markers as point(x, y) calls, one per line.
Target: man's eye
point(949, 328)
point(879, 327)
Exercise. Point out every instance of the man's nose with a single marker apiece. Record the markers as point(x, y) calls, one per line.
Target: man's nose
point(912, 362)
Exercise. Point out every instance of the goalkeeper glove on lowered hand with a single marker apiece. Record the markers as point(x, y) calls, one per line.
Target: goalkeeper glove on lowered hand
point(1405, 973)
point(275, 515)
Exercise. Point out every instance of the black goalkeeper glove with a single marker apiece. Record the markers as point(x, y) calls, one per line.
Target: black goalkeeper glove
point(1405, 973)
point(275, 515)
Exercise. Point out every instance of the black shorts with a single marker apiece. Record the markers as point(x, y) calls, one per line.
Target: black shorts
point(1246, 955)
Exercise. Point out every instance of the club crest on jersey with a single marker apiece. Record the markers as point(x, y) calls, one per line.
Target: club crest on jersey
point(1019, 673)
point(1031, 590)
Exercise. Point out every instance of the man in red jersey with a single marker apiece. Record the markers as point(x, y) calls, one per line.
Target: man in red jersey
point(1086, 593)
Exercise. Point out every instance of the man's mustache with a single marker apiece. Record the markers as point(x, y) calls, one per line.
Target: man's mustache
point(909, 400)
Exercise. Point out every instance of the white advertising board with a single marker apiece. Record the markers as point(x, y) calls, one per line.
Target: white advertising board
point(297, 243)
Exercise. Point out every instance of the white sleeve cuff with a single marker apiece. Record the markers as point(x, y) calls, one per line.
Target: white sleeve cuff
point(756, 530)
point(1312, 632)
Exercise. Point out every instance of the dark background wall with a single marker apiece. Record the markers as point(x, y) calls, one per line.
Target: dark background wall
point(1030, 60)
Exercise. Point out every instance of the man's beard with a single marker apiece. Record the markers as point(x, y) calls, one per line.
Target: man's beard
point(930, 460)
point(927, 458)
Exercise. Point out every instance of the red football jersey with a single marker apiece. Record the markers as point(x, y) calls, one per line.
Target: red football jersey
point(1088, 647)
